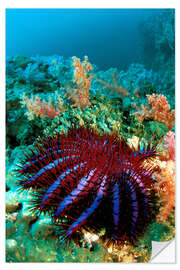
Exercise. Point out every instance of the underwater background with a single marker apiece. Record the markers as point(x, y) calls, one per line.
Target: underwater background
point(110, 37)
point(112, 70)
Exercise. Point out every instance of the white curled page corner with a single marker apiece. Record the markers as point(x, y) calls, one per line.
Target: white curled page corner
point(163, 252)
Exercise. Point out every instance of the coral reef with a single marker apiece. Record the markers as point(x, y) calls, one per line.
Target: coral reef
point(115, 87)
point(158, 43)
point(45, 97)
point(169, 141)
point(82, 79)
point(166, 177)
point(158, 33)
point(166, 188)
point(37, 107)
point(164, 174)
point(158, 109)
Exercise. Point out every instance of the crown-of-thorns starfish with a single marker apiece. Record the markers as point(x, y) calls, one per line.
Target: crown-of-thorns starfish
point(84, 180)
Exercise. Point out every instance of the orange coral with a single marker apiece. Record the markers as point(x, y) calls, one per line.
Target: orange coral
point(82, 78)
point(164, 173)
point(158, 109)
point(165, 185)
point(41, 108)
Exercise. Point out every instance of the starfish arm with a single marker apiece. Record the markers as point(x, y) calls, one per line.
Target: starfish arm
point(74, 194)
point(138, 179)
point(47, 196)
point(36, 159)
point(116, 208)
point(45, 169)
point(88, 212)
point(134, 204)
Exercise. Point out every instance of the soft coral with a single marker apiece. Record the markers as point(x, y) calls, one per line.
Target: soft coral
point(157, 109)
point(82, 78)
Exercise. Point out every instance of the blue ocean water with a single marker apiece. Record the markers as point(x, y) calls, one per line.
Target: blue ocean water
point(110, 37)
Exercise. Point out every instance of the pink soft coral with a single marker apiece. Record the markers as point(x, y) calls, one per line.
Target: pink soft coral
point(169, 141)
point(37, 107)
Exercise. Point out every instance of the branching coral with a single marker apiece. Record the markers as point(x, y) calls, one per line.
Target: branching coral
point(82, 78)
point(115, 86)
point(37, 107)
point(158, 109)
